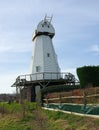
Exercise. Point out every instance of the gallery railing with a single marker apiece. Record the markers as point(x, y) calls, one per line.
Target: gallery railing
point(46, 76)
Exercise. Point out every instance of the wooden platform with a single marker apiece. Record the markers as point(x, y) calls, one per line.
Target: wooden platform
point(45, 79)
point(26, 84)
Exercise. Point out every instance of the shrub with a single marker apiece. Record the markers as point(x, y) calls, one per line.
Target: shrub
point(88, 75)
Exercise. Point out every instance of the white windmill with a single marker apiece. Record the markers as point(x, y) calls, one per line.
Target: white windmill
point(45, 70)
point(44, 59)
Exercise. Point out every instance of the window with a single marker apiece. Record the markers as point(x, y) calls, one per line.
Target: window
point(37, 68)
point(48, 54)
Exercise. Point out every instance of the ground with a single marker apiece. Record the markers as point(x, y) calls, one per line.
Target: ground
point(33, 117)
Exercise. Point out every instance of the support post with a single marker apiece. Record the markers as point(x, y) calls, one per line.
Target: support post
point(29, 93)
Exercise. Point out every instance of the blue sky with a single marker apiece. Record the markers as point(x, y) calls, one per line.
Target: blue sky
point(76, 41)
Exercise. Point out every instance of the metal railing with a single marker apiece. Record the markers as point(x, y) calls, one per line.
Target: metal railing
point(46, 76)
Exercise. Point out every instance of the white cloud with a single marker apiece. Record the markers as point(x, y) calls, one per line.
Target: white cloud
point(4, 49)
point(5, 83)
point(18, 47)
point(94, 48)
point(10, 43)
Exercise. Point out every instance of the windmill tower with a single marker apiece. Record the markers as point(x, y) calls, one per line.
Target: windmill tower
point(44, 58)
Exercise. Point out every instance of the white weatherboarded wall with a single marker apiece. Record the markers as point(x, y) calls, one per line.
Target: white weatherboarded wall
point(44, 58)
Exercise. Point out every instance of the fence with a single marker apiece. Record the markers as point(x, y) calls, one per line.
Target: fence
point(78, 100)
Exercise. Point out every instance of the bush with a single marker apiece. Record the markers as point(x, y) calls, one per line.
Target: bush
point(88, 75)
point(59, 88)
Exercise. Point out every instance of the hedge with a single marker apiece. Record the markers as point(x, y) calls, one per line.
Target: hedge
point(88, 75)
point(59, 88)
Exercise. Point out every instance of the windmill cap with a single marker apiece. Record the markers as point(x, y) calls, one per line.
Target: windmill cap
point(44, 28)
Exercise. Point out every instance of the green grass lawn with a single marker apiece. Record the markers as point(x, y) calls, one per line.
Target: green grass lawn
point(29, 116)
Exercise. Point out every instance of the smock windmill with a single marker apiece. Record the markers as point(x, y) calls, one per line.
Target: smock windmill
point(45, 70)
point(44, 58)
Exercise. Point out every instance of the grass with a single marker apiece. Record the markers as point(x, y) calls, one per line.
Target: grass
point(63, 121)
point(14, 117)
point(29, 116)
